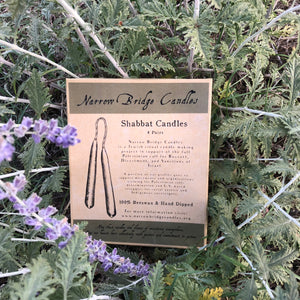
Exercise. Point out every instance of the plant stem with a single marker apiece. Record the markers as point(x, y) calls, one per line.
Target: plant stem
point(258, 159)
point(87, 48)
point(248, 220)
point(73, 13)
point(271, 200)
point(20, 100)
point(31, 171)
point(135, 14)
point(266, 285)
point(267, 26)
point(14, 229)
point(132, 9)
point(95, 297)
point(101, 297)
point(11, 65)
point(19, 201)
point(278, 207)
point(10, 274)
point(33, 240)
point(40, 57)
point(131, 284)
point(254, 111)
point(195, 17)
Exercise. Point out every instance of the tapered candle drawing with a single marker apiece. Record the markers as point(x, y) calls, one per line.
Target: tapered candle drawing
point(91, 183)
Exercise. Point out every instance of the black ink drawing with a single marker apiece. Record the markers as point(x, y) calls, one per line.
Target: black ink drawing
point(92, 174)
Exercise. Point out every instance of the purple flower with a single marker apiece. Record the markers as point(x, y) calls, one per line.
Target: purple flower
point(19, 182)
point(7, 127)
point(60, 228)
point(17, 185)
point(64, 137)
point(33, 222)
point(3, 194)
point(6, 149)
point(40, 128)
point(97, 252)
point(107, 264)
point(96, 249)
point(67, 137)
point(23, 128)
point(44, 214)
point(53, 131)
point(63, 244)
point(28, 206)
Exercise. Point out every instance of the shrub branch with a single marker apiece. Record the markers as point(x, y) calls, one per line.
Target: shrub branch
point(195, 16)
point(40, 57)
point(73, 13)
point(266, 285)
point(270, 24)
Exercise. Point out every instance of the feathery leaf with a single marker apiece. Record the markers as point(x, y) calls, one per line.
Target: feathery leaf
point(37, 93)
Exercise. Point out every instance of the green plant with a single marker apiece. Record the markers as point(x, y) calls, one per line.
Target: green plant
point(251, 50)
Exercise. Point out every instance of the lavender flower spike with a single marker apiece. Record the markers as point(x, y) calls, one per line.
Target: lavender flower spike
point(24, 127)
point(53, 131)
point(60, 228)
point(67, 137)
point(64, 137)
point(18, 184)
point(57, 229)
point(40, 129)
point(6, 149)
point(44, 215)
point(97, 252)
point(28, 206)
point(6, 128)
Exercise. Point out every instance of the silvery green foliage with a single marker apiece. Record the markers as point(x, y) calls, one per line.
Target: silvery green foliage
point(255, 146)
point(154, 287)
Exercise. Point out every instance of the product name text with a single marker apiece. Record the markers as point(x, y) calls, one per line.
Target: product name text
point(144, 101)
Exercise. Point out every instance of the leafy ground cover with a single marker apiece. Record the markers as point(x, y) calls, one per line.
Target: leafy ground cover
point(251, 50)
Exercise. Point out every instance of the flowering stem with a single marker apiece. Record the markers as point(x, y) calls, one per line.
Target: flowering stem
point(34, 216)
point(56, 229)
point(19, 201)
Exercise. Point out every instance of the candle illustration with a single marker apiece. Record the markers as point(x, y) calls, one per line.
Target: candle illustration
point(91, 182)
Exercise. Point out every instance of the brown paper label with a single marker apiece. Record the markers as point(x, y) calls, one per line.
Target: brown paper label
point(142, 160)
